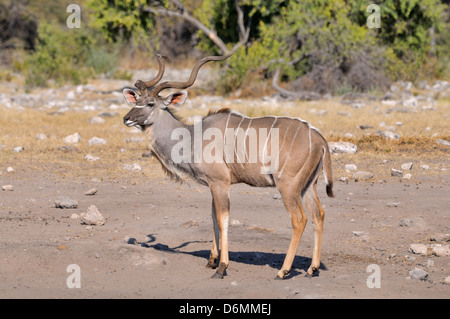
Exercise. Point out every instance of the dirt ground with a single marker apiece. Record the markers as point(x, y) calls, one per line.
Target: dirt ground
point(173, 230)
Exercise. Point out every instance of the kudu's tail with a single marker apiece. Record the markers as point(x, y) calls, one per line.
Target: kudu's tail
point(327, 171)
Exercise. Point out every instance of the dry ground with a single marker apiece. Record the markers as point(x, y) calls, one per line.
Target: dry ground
point(173, 223)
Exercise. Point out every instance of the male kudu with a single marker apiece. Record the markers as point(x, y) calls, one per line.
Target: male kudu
point(298, 153)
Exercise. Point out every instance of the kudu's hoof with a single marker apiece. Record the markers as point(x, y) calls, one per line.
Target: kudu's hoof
point(211, 265)
point(284, 273)
point(314, 272)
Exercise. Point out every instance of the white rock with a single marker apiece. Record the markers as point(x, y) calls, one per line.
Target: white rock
point(342, 147)
point(133, 167)
point(350, 167)
point(96, 120)
point(41, 137)
point(7, 187)
point(440, 250)
point(443, 142)
point(362, 175)
point(97, 141)
point(407, 166)
point(18, 149)
point(425, 167)
point(10, 169)
point(396, 172)
point(391, 135)
point(418, 249)
point(72, 139)
point(91, 158)
point(92, 217)
point(407, 176)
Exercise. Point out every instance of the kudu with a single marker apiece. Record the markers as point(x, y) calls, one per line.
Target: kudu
point(301, 154)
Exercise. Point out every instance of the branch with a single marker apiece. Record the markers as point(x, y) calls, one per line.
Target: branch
point(302, 95)
point(186, 16)
point(244, 32)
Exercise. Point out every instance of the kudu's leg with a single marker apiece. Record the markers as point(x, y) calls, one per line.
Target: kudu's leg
point(294, 206)
point(215, 247)
point(314, 207)
point(221, 204)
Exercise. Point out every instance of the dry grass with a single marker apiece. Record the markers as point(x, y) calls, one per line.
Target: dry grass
point(377, 154)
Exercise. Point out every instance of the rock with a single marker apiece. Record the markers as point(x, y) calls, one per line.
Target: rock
point(447, 280)
point(411, 102)
point(97, 141)
point(407, 176)
point(72, 139)
point(342, 147)
point(418, 249)
point(393, 204)
point(134, 140)
point(18, 149)
point(74, 216)
point(365, 127)
point(65, 202)
point(10, 169)
point(425, 167)
point(419, 274)
point(390, 135)
point(343, 179)
point(396, 172)
point(91, 192)
point(443, 142)
point(8, 188)
point(407, 166)
point(277, 196)
point(358, 233)
point(96, 120)
point(92, 217)
point(362, 175)
point(350, 167)
point(91, 158)
point(406, 222)
point(133, 167)
point(41, 137)
point(440, 251)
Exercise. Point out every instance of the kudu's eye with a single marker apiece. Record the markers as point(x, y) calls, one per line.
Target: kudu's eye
point(151, 104)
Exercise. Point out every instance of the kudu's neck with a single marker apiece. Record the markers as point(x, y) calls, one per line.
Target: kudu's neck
point(171, 142)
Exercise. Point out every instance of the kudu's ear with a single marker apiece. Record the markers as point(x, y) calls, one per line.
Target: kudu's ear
point(130, 97)
point(175, 99)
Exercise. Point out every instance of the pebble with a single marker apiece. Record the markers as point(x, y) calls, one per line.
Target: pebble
point(419, 274)
point(425, 167)
point(133, 167)
point(18, 149)
point(97, 141)
point(8, 187)
point(362, 175)
point(396, 172)
point(92, 217)
point(276, 196)
point(443, 142)
point(407, 166)
point(91, 192)
point(440, 251)
point(91, 158)
point(342, 147)
point(65, 202)
point(41, 137)
point(10, 169)
point(72, 139)
point(418, 249)
point(350, 167)
point(393, 204)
